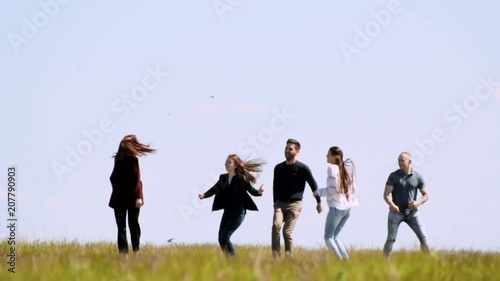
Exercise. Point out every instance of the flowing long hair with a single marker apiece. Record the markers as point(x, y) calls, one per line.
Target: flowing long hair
point(130, 146)
point(345, 178)
point(245, 169)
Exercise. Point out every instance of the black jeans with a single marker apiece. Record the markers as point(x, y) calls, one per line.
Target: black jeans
point(230, 221)
point(133, 224)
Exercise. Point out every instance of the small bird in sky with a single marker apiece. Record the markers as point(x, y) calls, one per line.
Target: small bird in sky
point(212, 97)
point(170, 240)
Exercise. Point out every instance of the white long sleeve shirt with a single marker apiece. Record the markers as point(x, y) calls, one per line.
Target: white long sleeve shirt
point(334, 198)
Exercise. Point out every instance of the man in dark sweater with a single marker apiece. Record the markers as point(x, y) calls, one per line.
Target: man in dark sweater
point(289, 182)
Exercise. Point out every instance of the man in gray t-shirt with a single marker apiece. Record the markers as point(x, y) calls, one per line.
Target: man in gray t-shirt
point(401, 195)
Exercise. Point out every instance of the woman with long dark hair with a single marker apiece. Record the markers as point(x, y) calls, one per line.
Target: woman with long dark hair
point(340, 194)
point(127, 196)
point(231, 194)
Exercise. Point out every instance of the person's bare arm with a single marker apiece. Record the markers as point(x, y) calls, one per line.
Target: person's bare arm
point(388, 198)
point(425, 196)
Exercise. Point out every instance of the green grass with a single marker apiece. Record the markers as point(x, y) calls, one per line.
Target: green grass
point(51, 261)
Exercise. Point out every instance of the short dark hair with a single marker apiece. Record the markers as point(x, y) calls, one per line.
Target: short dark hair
point(294, 142)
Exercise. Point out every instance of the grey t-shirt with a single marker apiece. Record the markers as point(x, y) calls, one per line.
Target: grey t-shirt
point(405, 187)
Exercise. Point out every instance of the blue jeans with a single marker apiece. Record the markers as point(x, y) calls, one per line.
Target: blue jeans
point(230, 221)
point(414, 221)
point(335, 221)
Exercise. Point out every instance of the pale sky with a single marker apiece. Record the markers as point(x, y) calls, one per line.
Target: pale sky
point(373, 77)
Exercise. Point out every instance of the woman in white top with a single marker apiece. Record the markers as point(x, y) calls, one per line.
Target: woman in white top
point(340, 196)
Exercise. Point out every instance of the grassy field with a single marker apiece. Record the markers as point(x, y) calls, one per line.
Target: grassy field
point(51, 261)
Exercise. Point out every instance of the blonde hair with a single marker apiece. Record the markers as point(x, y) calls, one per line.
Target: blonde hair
point(407, 154)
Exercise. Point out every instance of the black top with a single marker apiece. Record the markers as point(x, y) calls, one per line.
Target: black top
point(290, 181)
point(235, 191)
point(234, 196)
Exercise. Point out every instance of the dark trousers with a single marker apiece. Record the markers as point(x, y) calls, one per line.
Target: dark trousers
point(230, 221)
point(133, 224)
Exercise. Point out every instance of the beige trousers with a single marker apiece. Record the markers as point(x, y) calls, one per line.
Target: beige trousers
point(285, 213)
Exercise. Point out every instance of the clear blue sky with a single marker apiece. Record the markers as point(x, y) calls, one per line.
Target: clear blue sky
point(278, 69)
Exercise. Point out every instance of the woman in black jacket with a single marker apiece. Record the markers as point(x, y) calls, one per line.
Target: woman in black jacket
point(231, 195)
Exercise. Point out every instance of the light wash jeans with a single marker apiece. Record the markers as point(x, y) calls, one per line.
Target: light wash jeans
point(414, 221)
point(335, 221)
